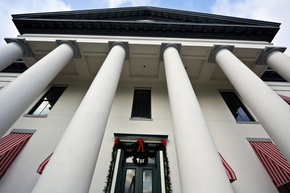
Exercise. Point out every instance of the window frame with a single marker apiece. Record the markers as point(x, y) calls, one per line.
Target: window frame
point(279, 188)
point(41, 100)
point(244, 107)
point(134, 102)
point(122, 166)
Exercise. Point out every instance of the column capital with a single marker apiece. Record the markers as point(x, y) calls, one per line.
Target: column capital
point(22, 44)
point(164, 46)
point(267, 52)
point(73, 45)
point(125, 45)
point(216, 49)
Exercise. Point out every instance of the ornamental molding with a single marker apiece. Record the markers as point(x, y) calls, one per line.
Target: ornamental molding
point(164, 46)
point(22, 44)
point(73, 45)
point(216, 49)
point(146, 22)
point(124, 45)
point(267, 52)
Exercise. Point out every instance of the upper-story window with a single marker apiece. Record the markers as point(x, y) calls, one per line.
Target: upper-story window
point(45, 104)
point(141, 104)
point(237, 108)
point(16, 67)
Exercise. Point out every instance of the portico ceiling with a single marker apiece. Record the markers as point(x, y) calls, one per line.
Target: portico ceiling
point(144, 64)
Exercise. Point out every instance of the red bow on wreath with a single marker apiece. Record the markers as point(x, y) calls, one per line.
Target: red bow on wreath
point(140, 143)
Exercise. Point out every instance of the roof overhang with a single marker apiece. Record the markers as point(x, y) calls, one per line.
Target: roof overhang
point(146, 22)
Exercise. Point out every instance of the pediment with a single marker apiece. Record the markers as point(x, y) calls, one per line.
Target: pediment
point(146, 21)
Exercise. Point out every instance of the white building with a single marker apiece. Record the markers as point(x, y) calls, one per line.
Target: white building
point(115, 76)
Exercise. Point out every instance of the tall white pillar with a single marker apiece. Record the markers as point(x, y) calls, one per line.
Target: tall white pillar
point(200, 166)
point(277, 60)
point(14, 49)
point(271, 111)
point(71, 167)
point(20, 93)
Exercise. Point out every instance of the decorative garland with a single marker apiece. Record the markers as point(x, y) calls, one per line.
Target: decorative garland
point(140, 150)
point(166, 169)
point(111, 167)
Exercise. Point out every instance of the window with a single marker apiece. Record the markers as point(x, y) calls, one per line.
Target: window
point(10, 147)
point(236, 107)
point(274, 162)
point(45, 104)
point(141, 104)
point(16, 67)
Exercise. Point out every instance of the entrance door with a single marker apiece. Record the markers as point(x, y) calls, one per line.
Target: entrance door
point(139, 175)
point(139, 179)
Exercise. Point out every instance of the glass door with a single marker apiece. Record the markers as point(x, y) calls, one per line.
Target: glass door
point(139, 179)
point(138, 175)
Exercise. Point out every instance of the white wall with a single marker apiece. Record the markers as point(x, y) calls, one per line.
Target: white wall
point(229, 136)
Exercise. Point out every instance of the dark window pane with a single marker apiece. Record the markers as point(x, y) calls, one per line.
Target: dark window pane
point(141, 104)
point(236, 107)
point(45, 104)
point(16, 67)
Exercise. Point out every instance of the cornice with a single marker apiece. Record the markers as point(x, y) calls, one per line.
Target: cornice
point(146, 22)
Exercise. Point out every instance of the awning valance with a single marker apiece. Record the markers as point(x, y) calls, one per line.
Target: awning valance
point(230, 172)
point(275, 163)
point(10, 146)
point(43, 164)
point(285, 98)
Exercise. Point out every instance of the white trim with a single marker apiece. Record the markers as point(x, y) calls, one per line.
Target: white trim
point(140, 119)
point(23, 131)
point(113, 184)
point(259, 139)
point(35, 116)
point(162, 172)
point(142, 88)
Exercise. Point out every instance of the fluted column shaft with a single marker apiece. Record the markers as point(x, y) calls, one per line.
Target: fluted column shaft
point(16, 97)
point(280, 62)
point(8, 54)
point(71, 167)
point(271, 111)
point(198, 159)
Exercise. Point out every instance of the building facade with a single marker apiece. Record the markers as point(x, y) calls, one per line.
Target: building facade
point(145, 99)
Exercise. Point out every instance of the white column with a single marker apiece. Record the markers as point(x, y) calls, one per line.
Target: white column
point(8, 54)
point(14, 49)
point(20, 93)
point(200, 166)
point(280, 62)
point(271, 111)
point(71, 167)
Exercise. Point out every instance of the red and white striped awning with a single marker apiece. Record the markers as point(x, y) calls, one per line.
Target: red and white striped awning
point(274, 162)
point(285, 98)
point(230, 172)
point(43, 164)
point(10, 146)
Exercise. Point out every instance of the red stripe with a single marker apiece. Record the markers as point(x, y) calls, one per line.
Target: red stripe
point(11, 145)
point(230, 172)
point(1, 87)
point(273, 160)
point(285, 98)
point(43, 164)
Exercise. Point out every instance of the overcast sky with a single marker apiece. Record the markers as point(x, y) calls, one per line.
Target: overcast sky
point(268, 10)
